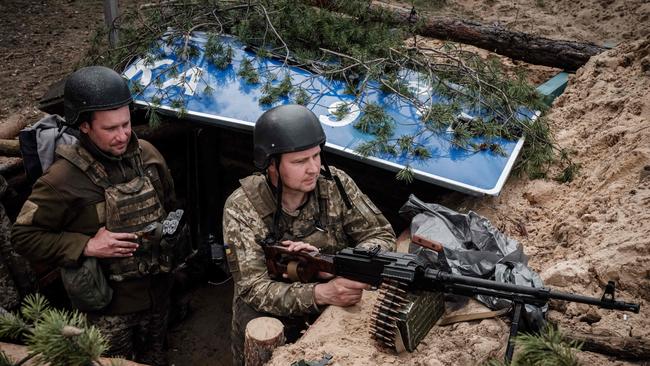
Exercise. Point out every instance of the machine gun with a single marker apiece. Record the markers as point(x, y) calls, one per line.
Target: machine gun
point(411, 289)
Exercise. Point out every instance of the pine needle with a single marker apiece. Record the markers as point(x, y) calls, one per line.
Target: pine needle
point(34, 306)
point(52, 345)
point(5, 360)
point(13, 326)
point(548, 348)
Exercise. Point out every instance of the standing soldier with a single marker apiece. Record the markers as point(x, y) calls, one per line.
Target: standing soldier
point(92, 205)
point(305, 208)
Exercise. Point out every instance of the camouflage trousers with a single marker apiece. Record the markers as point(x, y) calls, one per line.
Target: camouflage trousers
point(243, 313)
point(137, 336)
point(16, 276)
point(9, 297)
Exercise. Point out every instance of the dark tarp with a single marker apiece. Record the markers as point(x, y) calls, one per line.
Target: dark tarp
point(472, 246)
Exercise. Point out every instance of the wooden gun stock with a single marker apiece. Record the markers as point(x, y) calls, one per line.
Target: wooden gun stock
point(298, 266)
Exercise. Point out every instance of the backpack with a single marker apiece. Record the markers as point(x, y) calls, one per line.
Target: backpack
point(38, 143)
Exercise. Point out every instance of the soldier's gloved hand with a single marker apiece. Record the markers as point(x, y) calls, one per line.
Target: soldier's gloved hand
point(107, 244)
point(339, 291)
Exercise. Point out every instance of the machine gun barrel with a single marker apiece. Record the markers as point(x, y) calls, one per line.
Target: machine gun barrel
point(465, 285)
point(373, 267)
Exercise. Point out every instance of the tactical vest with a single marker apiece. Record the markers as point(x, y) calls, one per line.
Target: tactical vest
point(130, 207)
point(323, 230)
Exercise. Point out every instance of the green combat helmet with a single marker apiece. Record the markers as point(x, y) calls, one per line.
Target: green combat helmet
point(93, 88)
point(284, 129)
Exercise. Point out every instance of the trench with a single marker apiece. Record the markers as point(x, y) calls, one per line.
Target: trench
point(207, 163)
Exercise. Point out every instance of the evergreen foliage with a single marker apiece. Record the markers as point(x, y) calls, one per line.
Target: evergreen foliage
point(376, 121)
point(359, 45)
point(55, 337)
point(341, 111)
point(6, 360)
point(548, 348)
point(273, 93)
point(63, 338)
point(300, 96)
point(248, 72)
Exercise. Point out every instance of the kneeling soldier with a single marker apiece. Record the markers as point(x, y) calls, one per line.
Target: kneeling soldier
point(304, 207)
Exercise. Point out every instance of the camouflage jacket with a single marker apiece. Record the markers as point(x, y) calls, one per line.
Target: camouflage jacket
point(65, 209)
point(247, 219)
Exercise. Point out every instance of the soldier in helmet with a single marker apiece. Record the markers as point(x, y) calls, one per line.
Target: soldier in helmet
point(303, 203)
point(91, 205)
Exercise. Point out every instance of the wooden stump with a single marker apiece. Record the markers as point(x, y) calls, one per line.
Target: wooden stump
point(263, 335)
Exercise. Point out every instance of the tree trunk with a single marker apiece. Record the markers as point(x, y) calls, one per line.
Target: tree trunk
point(10, 127)
point(629, 348)
point(263, 335)
point(9, 148)
point(567, 55)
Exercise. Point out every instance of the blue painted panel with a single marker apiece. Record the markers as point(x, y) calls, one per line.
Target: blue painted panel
point(230, 101)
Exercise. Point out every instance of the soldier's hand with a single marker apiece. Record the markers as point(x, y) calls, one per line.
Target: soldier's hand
point(339, 291)
point(297, 246)
point(107, 244)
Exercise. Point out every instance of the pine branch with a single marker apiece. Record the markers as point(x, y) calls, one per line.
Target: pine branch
point(548, 348)
point(406, 175)
point(362, 50)
point(5, 360)
point(62, 338)
point(55, 337)
point(34, 306)
point(13, 326)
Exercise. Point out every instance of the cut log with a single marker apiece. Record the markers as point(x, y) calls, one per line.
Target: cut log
point(567, 55)
point(10, 127)
point(629, 348)
point(263, 335)
point(9, 148)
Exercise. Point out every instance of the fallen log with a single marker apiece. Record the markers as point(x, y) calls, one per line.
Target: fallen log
point(567, 55)
point(10, 127)
point(9, 147)
point(629, 348)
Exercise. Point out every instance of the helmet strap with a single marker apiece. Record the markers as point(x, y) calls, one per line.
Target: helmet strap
point(275, 229)
point(339, 185)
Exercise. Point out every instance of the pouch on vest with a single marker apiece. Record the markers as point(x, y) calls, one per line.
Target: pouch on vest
point(86, 285)
point(132, 207)
point(38, 144)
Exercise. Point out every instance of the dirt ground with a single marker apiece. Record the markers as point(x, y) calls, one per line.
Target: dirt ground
point(578, 235)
